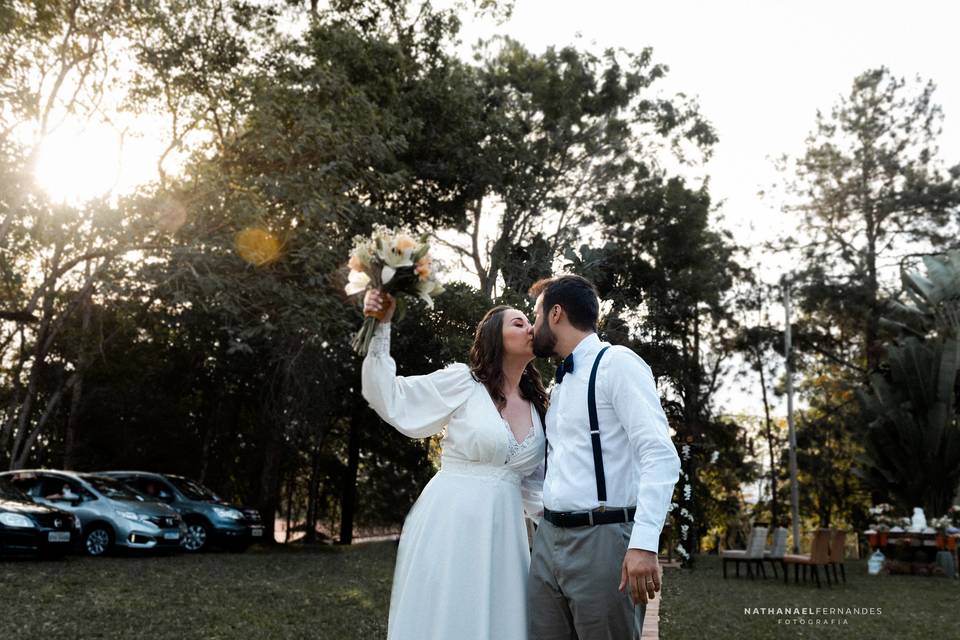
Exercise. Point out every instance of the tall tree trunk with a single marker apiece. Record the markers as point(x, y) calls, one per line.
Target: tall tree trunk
point(76, 397)
point(774, 512)
point(270, 479)
point(313, 498)
point(348, 500)
point(291, 488)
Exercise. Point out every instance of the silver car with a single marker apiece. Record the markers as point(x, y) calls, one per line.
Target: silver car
point(111, 513)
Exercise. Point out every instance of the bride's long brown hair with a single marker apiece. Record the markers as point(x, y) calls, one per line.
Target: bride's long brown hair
point(486, 364)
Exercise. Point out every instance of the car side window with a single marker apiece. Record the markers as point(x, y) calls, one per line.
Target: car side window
point(166, 493)
point(62, 490)
point(30, 486)
point(152, 488)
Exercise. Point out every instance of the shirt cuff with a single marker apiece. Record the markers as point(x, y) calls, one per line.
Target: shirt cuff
point(380, 343)
point(645, 537)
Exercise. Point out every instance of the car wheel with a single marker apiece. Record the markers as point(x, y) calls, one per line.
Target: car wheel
point(97, 541)
point(197, 537)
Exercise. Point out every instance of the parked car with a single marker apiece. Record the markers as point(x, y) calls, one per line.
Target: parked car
point(208, 518)
point(111, 514)
point(34, 529)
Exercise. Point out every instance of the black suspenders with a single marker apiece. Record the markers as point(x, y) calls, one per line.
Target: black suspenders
point(594, 434)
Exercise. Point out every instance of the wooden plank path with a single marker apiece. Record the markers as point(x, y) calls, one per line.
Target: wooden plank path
point(651, 620)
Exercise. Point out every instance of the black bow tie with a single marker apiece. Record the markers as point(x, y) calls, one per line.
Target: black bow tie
point(564, 368)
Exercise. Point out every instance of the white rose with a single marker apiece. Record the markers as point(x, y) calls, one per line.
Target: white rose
point(357, 283)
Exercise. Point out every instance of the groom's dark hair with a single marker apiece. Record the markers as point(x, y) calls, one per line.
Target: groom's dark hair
point(576, 296)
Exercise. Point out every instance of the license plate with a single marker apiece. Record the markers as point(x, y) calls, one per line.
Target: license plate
point(256, 533)
point(171, 535)
point(58, 536)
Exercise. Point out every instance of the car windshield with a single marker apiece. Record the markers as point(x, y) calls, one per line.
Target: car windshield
point(112, 488)
point(7, 490)
point(191, 489)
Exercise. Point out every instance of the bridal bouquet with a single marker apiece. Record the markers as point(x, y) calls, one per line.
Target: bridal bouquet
point(392, 261)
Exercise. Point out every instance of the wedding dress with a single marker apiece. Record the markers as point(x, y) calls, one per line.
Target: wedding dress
point(462, 563)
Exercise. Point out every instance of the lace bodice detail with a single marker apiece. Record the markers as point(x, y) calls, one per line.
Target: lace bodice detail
point(514, 446)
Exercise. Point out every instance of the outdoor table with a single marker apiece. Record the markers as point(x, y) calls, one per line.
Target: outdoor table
point(911, 545)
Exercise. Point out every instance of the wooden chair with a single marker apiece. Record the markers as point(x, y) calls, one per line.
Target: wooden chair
point(838, 542)
point(752, 555)
point(774, 555)
point(819, 556)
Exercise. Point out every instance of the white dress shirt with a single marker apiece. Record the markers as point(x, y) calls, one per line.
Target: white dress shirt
point(640, 462)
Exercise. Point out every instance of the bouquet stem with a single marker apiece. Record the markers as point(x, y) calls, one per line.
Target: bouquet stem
point(361, 341)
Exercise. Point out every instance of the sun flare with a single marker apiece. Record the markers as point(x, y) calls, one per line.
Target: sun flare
point(77, 164)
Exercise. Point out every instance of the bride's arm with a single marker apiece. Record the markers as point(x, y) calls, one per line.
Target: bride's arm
point(417, 406)
point(531, 494)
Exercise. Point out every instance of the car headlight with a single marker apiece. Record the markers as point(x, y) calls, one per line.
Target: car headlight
point(229, 514)
point(130, 515)
point(16, 520)
point(76, 523)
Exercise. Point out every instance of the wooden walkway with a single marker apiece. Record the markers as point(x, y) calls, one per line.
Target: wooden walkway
point(651, 621)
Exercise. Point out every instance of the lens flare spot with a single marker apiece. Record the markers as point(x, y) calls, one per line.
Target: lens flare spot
point(171, 215)
point(258, 246)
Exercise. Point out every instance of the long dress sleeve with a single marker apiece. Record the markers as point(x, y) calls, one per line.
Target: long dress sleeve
point(531, 494)
point(416, 406)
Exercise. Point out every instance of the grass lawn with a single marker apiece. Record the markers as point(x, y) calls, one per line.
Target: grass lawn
point(317, 593)
point(343, 594)
point(700, 604)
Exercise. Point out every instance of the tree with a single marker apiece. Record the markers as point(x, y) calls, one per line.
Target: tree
point(553, 136)
point(868, 187)
point(58, 63)
point(762, 347)
point(912, 442)
point(669, 278)
point(827, 449)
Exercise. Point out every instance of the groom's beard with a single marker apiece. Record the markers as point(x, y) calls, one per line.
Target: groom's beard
point(544, 342)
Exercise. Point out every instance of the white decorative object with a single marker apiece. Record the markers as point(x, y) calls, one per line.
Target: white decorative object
point(875, 564)
point(919, 521)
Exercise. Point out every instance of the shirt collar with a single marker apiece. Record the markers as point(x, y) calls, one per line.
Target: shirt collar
point(584, 348)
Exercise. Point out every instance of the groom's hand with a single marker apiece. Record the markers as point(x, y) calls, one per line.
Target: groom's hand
point(640, 574)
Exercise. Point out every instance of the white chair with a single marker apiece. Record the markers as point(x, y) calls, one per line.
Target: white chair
point(774, 555)
point(752, 555)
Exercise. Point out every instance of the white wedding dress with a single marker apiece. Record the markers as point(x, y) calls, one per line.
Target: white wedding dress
point(463, 558)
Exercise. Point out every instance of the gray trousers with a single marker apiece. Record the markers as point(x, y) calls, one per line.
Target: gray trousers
point(572, 592)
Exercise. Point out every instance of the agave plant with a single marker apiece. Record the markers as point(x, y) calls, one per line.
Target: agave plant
point(912, 443)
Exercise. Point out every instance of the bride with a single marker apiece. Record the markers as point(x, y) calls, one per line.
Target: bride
point(462, 562)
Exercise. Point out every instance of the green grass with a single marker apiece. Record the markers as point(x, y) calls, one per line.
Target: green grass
point(344, 593)
point(699, 603)
point(316, 593)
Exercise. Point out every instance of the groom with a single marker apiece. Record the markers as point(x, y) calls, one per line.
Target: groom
point(610, 471)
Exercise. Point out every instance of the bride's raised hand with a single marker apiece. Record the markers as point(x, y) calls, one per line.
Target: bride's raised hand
point(379, 305)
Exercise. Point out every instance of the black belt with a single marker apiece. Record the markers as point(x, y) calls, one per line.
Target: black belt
point(589, 518)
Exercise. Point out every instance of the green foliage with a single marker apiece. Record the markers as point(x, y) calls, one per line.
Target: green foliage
point(912, 443)
point(869, 183)
point(163, 347)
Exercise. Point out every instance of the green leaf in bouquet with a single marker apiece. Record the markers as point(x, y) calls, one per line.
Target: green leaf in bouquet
point(422, 251)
